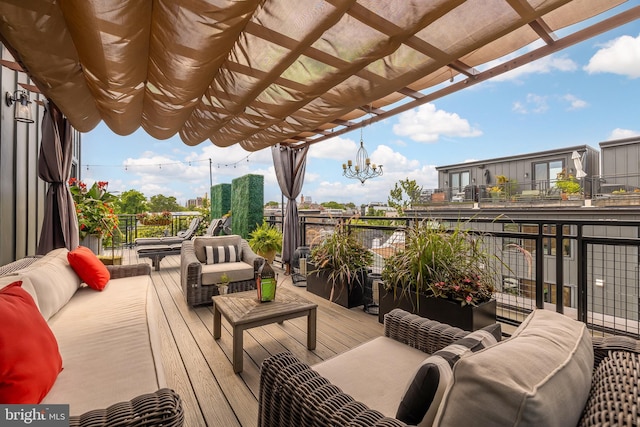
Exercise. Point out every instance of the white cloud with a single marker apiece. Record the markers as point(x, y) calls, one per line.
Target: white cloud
point(622, 134)
point(396, 167)
point(575, 102)
point(544, 65)
point(333, 148)
point(533, 104)
point(618, 56)
point(392, 160)
point(427, 124)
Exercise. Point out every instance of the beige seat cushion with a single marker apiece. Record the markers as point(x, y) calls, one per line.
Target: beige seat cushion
point(375, 373)
point(235, 271)
point(539, 377)
point(109, 345)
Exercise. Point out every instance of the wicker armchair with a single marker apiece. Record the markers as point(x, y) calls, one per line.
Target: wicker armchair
point(293, 394)
point(199, 279)
point(162, 408)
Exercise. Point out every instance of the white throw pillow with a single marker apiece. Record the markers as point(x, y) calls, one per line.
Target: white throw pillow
point(223, 253)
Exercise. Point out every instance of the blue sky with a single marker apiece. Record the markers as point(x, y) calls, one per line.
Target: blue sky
point(586, 94)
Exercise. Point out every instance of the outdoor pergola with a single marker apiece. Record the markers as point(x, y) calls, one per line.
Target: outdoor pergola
point(281, 74)
point(258, 73)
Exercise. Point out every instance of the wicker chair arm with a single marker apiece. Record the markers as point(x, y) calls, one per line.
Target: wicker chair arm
point(418, 332)
point(162, 408)
point(293, 394)
point(248, 255)
point(119, 271)
point(603, 345)
point(190, 266)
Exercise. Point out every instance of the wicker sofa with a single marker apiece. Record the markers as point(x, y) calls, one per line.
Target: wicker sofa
point(199, 277)
point(108, 341)
point(486, 387)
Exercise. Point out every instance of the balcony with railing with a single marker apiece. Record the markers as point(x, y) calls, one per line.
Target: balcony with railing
point(598, 191)
point(586, 269)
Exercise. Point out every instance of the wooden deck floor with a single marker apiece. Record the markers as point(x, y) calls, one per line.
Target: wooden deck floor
point(200, 369)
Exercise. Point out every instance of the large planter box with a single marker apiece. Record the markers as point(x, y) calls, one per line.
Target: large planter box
point(93, 242)
point(318, 283)
point(468, 318)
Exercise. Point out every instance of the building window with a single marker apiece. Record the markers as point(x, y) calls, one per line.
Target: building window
point(459, 180)
point(549, 243)
point(529, 244)
point(549, 294)
point(545, 173)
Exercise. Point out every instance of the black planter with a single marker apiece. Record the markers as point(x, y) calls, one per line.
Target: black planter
point(347, 296)
point(469, 318)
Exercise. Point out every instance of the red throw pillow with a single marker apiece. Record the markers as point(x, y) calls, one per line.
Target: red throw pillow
point(90, 269)
point(29, 357)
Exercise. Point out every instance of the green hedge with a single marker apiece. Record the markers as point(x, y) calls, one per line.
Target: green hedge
point(247, 204)
point(220, 200)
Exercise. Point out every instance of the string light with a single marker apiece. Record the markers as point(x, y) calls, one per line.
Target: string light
point(186, 163)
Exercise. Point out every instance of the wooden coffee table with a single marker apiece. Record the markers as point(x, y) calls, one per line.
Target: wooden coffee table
point(243, 311)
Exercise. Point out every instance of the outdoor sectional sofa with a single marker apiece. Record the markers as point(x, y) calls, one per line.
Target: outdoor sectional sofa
point(550, 372)
point(108, 341)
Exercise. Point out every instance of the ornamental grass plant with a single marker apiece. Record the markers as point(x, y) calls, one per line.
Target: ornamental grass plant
point(343, 255)
point(442, 263)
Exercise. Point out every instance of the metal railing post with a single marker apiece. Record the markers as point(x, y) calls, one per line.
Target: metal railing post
point(559, 268)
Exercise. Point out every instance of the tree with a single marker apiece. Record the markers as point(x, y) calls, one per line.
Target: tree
point(159, 203)
point(371, 211)
point(406, 187)
point(272, 204)
point(131, 202)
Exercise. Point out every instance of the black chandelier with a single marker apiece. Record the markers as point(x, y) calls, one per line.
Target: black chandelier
point(363, 169)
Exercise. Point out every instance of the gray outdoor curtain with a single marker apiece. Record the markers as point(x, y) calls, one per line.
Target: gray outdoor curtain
point(290, 164)
point(60, 224)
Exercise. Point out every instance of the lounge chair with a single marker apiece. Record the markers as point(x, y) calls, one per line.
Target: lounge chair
point(171, 240)
point(215, 227)
point(160, 247)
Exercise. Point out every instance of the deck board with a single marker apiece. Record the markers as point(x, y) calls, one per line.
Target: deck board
point(199, 368)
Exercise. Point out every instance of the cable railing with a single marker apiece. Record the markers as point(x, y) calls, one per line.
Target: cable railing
point(131, 227)
point(586, 269)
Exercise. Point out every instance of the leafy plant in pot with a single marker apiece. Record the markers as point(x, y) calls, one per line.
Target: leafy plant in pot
point(266, 241)
point(441, 274)
point(339, 267)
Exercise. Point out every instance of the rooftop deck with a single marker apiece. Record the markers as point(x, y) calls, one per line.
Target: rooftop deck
point(200, 369)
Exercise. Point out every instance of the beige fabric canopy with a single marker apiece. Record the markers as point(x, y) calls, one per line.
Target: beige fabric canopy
point(262, 72)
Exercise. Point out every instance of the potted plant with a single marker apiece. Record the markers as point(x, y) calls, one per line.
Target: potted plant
point(568, 185)
point(162, 218)
point(94, 209)
point(441, 274)
point(495, 192)
point(338, 270)
point(223, 286)
point(266, 241)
